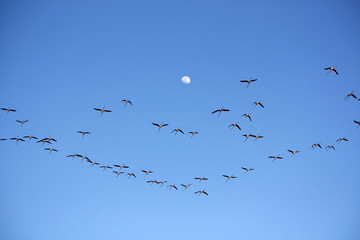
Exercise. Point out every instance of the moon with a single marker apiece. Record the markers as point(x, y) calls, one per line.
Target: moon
point(186, 79)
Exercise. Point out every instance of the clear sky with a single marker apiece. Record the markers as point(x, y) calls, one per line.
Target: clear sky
point(60, 59)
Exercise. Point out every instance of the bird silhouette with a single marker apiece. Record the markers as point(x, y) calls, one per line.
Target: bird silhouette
point(248, 81)
point(247, 169)
point(146, 172)
point(72, 156)
point(44, 141)
point(102, 110)
point(247, 115)
point(200, 192)
point(186, 186)
point(193, 133)
point(228, 177)
point(316, 145)
point(121, 166)
point(152, 182)
point(275, 157)
point(329, 147)
point(126, 102)
point(177, 130)
point(22, 122)
point(201, 179)
point(8, 110)
point(172, 186)
point(82, 157)
point(17, 139)
point(160, 125)
point(83, 133)
point(246, 136)
point(357, 122)
point(92, 163)
point(131, 174)
point(258, 103)
point(342, 139)
point(105, 167)
point(350, 95)
point(30, 137)
point(222, 109)
point(256, 137)
point(332, 69)
point(234, 125)
point(293, 152)
point(51, 150)
point(118, 173)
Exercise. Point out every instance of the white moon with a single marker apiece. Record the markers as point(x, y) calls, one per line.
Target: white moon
point(186, 79)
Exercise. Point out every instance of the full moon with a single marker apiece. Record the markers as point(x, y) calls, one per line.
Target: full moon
point(186, 79)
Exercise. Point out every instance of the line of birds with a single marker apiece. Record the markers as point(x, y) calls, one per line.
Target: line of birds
point(49, 140)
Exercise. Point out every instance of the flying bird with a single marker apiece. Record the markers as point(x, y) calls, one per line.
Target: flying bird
point(248, 81)
point(193, 133)
point(121, 166)
point(92, 163)
point(177, 130)
point(256, 137)
point(131, 174)
point(350, 95)
point(293, 152)
point(152, 182)
point(316, 145)
point(258, 103)
point(222, 109)
point(126, 102)
point(3, 139)
point(247, 116)
point(246, 136)
point(342, 139)
point(357, 122)
point(105, 167)
point(30, 137)
point(51, 150)
point(332, 69)
point(83, 133)
point(17, 139)
point(234, 125)
point(162, 183)
point(201, 179)
point(160, 125)
point(22, 122)
point(172, 186)
point(329, 147)
point(228, 177)
point(50, 139)
point(146, 172)
point(186, 186)
point(8, 110)
point(82, 157)
point(102, 110)
point(44, 141)
point(118, 173)
point(247, 169)
point(200, 192)
point(275, 157)
point(72, 156)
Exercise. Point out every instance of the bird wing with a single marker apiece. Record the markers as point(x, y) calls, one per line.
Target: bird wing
point(335, 71)
point(97, 109)
point(155, 124)
point(215, 111)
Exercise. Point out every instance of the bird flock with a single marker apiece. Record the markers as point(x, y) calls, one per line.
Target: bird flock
point(120, 169)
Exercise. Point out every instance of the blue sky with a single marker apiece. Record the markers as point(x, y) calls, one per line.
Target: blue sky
point(60, 59)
